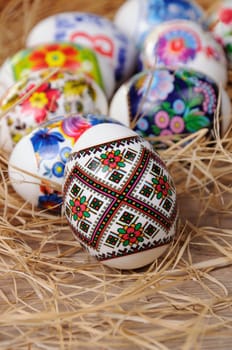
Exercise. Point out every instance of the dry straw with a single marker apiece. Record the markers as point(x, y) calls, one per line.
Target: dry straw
point(54, 296)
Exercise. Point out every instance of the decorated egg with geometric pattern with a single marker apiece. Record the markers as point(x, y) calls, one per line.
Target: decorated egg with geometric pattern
point(119, 197)
point(37, 162)
point(44, 95)
point(170, 103)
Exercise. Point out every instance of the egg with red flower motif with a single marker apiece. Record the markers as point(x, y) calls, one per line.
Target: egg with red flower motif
point(220, 24)
point(44, 95)
point(58, 55)
point(37, 162)
point(119, 197)
point(90, 30)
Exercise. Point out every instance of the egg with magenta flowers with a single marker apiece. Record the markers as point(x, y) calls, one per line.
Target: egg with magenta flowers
point(171, 103)
point(119, 197)
point(37, 162)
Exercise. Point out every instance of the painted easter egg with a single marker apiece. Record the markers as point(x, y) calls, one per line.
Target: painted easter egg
point(171, 103)
point(91, 30)
point(119, 198)
point(183, 43)
point(220, 24)
point(43, 95)
point(136, 18)
point(37, 162)
point(59, 55)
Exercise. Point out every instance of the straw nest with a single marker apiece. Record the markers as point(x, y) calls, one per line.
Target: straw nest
point(54, 296)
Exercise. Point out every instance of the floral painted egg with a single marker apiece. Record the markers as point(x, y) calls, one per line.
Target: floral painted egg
point(37, 162)
point(170, 103)
point(119, 198)
point(63, 93)
point(59, 55)
point(137, 17)
point(94, 31)
point(220, 24)
point(183, 43)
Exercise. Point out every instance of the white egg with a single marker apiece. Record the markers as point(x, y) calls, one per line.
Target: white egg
point(119, 197)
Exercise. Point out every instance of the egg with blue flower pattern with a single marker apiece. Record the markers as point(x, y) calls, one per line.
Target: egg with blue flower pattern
point(136, 18)
point(37, 162)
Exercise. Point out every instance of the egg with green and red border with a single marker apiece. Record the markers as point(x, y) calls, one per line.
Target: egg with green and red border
point(119, 197)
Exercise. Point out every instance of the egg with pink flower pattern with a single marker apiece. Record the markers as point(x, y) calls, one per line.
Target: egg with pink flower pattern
point(182, 43)
point(170, 103)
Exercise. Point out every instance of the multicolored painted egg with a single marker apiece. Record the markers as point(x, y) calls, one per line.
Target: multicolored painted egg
point(43, 95)
point(136, 18)
point(94, 31)
point(119, 198)
point(183, 43)
point(59, 55)
point(220, 24)
point(37, 162)
point(170, 103)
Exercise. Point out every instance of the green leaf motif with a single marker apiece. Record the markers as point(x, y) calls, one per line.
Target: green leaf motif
point(86, 214)
point(83, 199)
point(138, 226)
point(103, 156)
point(195, 101)
point(155, 181)
point(121, 164)
point(105, 168)
point(122, 231)
point(196, 122)
point(159, 195)
point(116, 153)
point(156, 130)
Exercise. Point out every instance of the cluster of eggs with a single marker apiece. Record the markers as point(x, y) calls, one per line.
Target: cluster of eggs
point(79, 104)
